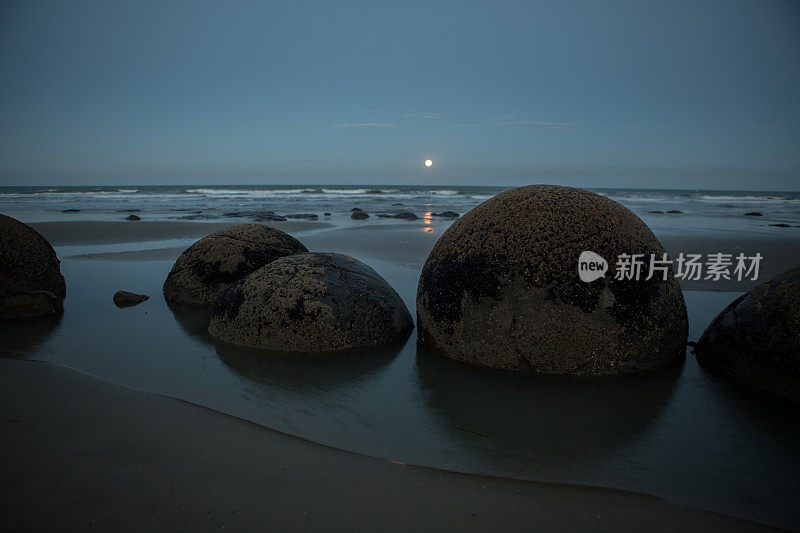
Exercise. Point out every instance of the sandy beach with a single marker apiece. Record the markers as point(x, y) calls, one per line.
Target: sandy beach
point(79, 453)
point(398, 405)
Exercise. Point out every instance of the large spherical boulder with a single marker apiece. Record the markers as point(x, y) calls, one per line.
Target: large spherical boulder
point(214, 263)
point(311, 302)
point(31, 283)
point(756, 339)
point(501, 288)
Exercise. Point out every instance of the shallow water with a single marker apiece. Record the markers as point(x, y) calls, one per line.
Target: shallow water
point(679, 434)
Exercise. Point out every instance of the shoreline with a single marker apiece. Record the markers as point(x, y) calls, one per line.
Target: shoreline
point(407, 243)
point(103, 449)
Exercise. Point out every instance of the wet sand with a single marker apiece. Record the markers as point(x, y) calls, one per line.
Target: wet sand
point(103, 232)
point(406, 243)
point(79, 452)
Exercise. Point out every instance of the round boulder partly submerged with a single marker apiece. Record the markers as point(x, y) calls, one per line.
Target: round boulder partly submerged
point(501, 288)
point(756, 339)
point(215, 262)
point(31, 283)
point(312, 302)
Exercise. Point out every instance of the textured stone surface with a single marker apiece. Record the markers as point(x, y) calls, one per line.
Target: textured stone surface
point(215, 262)
point(128, 299)
point(359, 215)
point(311, 302)
point(756, 339)
point(501, 288)
point(31, 283)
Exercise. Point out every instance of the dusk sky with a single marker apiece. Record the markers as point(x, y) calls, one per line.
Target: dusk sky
point(695, 94)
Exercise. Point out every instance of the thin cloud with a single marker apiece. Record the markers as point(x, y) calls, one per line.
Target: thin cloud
point(768, 128)
point(431, 116)
point(519, 124)
point(365, 125)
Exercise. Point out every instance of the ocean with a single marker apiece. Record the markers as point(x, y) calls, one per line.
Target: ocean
point(706, 209)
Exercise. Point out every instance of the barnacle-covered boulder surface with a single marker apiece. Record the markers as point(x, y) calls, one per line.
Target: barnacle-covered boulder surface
point(501, 289)
point(756, 339)
point(31, 283)
point(213, 263)
point(313, 302)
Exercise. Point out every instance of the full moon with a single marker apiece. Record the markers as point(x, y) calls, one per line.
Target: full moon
point(428, 162)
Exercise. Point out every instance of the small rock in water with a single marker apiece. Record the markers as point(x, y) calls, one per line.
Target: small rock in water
point(326, 214)
point(70, 210)
point(406, 215)
point(395, 205)
point(754, 214)
point(656, 212)
point(136, 210)
point(304, 216)
point(356, 209)
point(359, 215)
point(446, 214)
point(129, 299)
point(675, 212)
point(270, 218)
point(133, 217)
point(781, 225)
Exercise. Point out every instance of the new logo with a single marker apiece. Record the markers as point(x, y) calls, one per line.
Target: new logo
point(591, 266)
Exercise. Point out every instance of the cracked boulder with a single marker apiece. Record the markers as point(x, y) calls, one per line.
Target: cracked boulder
point(312, 302)
point(756, 339)
point(31, 283)
point(501, 288)
point(215, 262)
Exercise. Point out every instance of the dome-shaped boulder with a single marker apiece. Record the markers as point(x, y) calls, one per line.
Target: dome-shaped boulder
point(311, 302)
point(756, 339)
point(215, 262)
point(31, 283)
point(501, 288)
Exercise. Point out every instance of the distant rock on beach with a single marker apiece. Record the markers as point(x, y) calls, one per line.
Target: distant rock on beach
point(312, 302)
point(756, 339)
point(129, 299)
point(501, 288)
point(133, 217)
point(754, 214)
point(303, 216)
point(31, 283)
point(405, 215)
point(359, 215)
point(446, 214)
point(215, 262)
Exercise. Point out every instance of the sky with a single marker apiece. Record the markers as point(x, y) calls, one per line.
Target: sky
point(651, 94)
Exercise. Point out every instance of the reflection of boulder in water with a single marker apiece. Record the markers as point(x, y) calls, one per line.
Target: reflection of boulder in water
point(321, 372)
point(193, 320)
point(547, 418)
point(23, 337)
point(283, 369)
